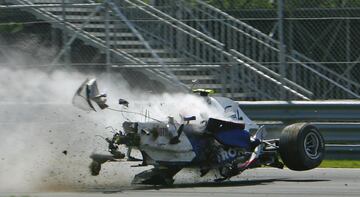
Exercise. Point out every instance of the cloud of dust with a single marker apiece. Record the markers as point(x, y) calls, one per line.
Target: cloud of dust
point(46, 142)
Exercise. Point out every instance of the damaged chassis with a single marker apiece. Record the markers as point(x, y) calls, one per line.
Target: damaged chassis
point(225, 146)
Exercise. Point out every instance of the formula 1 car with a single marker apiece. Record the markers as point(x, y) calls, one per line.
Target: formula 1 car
point(223, 144)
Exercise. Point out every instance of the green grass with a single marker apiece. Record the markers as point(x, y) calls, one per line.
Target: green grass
point(340, 164)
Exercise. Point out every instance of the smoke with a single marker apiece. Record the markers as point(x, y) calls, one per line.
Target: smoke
point(46, 142)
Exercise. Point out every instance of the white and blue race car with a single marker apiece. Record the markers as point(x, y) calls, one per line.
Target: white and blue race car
point(223, 144)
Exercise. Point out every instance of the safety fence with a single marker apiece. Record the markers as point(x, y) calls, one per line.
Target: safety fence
point(178, 42)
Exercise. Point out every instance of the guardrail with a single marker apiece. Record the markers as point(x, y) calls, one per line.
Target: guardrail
point(338, 121)
point(334, 133)
point(339, 151)
point(296, 111)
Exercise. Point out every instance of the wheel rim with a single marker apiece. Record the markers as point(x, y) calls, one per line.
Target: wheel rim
point(312, 145)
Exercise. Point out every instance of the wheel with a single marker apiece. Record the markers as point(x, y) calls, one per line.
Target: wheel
point(301, 146)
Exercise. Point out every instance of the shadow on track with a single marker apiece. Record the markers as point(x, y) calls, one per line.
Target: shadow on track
point(212, 184)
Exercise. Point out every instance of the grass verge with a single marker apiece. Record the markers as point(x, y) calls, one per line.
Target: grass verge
point(340, 164)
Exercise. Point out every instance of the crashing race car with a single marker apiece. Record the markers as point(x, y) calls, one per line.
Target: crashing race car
point(221, 144)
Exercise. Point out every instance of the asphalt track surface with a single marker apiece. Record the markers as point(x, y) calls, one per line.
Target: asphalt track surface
point(256, 182)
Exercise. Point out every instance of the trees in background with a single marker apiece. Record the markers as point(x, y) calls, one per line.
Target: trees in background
point(271, 4)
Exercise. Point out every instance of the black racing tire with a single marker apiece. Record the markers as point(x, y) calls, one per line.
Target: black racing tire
point(301, 146)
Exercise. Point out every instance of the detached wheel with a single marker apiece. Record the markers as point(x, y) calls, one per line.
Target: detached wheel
point(301, 147)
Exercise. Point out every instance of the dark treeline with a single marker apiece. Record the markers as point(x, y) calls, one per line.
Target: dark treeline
point(290, 4)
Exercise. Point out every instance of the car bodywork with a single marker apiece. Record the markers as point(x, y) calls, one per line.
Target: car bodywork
point(221, 143)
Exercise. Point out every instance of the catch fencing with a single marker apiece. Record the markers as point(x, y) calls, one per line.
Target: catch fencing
point(247, 50)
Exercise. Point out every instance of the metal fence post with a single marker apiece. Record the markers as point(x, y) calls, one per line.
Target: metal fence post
point(282, 54)
point(223, 73)
point(107, 35)
point(67, 55)
point(348, 47)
